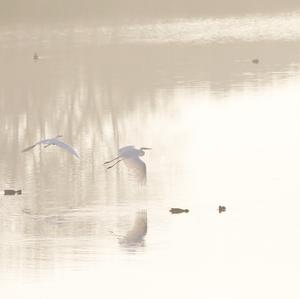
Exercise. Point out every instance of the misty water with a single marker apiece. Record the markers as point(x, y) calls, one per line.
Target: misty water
point(223, 128)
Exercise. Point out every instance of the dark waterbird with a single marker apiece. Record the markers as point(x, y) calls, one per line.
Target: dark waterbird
point(12, 192)
point(178, 210)
point(222, 209)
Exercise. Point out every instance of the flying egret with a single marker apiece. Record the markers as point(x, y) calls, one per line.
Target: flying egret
point(131, 157)
point(54, 141)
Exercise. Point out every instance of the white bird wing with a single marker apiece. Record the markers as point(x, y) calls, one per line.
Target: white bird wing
point(126, 151)
point(138, 168)
point(66, 147)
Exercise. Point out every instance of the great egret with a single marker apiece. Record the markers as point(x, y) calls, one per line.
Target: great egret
point(54, 141)
point(131, 157)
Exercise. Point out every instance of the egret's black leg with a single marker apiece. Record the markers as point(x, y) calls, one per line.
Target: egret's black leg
point(111, 160)
point(114, 164)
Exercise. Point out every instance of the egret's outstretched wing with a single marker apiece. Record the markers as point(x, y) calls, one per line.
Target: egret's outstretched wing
point(66, 147)
point(138, 230)
point(138, 168)
point(127, 151)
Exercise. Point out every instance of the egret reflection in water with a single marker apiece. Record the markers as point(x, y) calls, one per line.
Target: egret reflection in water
point(131, 157)
point(135, 236)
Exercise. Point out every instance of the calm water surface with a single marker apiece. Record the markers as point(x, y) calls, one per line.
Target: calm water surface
point(223, 131)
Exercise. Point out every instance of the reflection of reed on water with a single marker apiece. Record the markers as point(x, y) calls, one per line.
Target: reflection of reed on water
point(98, 96)
point(71, 95)
point(91, 99)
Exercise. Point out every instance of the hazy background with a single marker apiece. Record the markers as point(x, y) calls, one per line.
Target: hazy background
point(174, 76)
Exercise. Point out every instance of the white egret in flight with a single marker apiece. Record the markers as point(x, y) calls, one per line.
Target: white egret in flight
point(131, 157)
point(54, 141)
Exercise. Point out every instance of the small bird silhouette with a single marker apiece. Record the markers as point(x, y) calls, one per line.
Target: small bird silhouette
point(12, 192)
point(178, 210)
point(222, 209)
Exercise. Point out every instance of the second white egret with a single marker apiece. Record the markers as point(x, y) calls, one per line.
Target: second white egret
point(54, 141)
